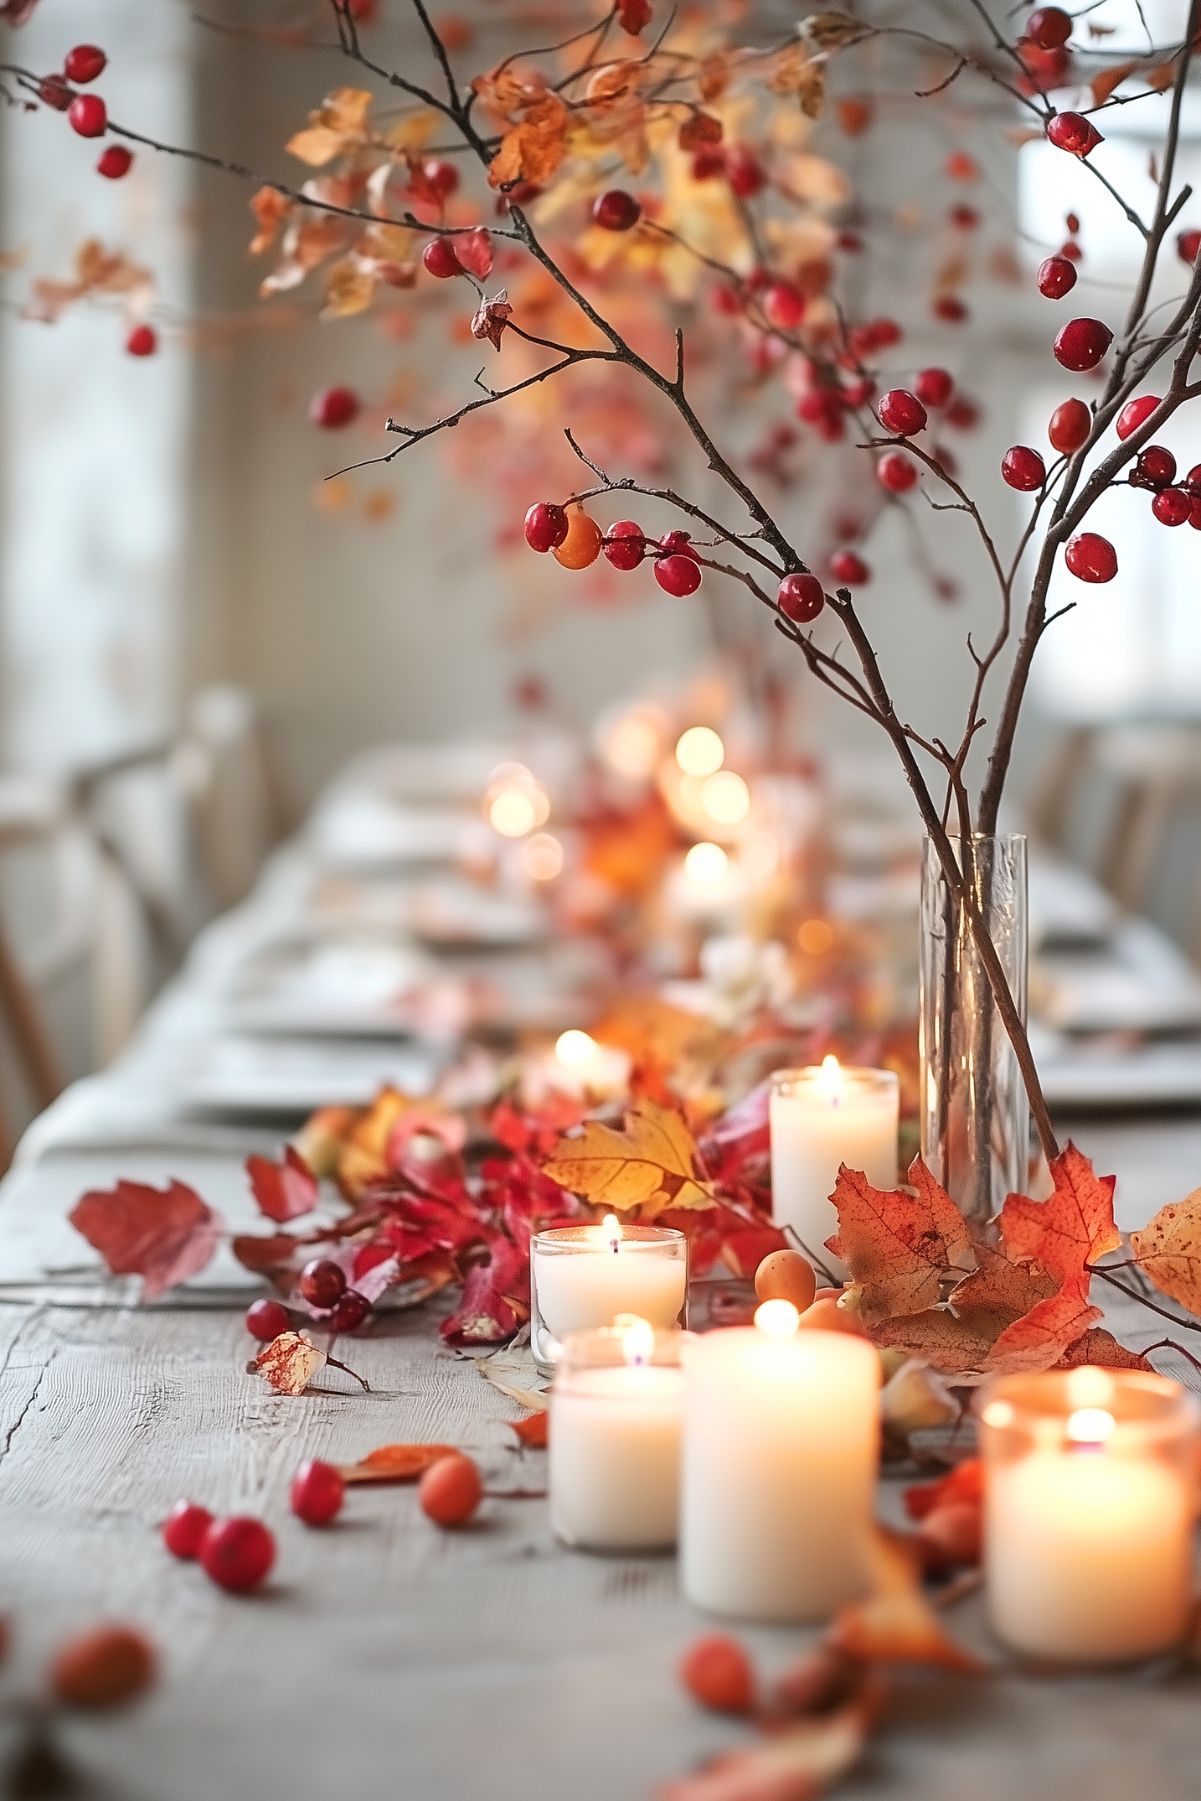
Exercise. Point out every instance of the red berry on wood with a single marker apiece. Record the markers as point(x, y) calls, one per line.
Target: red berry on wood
point(1091, 558)
point(142, 341)
point(1074, 133)
point(84, 63)
point(1081, 343)
point(545, 525)
point(783, 306)
point(718, 1673)
point(1172, 506)
point(185, 1527)
point(933, 386)
point(901, 412)
point(895, 472)
point(88, 115)
point(451, 1490)
point(1023, 468)
point(1069, 426)
point(115, 162)
point(678, 575)
point(1188, 244)
point(266, 1319)
point(333, 408)
point(440, 177)
point(800, 597)
point(1134, 412)
point(616, 210)
point(1155, 467)
point(322, 1282)
point(847, 566)
point(625, 545)
point(318, 1491)
point(744, 172)
point(440, 259)
point(53, 91)
point(1056, 277)
point(1049, 27)
point(237, 1553)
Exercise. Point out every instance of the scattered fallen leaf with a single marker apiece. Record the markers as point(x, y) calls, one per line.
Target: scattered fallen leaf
point(896, 1624)
point(648, 1163)
point(793, 1765)
point(283, 1190)
point(395, 1463)
point(164, 1235)
point(290, 1362)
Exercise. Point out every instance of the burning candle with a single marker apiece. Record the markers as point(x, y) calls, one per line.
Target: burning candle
point(779, 1468)
point(821, 1117)
point(1090, 1505)
point(614, 1452)
point(579, 1066)
point(584, 1276)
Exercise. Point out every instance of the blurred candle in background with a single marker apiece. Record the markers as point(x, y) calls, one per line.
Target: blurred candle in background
point(820, 1118)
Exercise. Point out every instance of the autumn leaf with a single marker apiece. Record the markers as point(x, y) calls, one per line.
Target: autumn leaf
point(533, 1432)
point(340, 121)
point(395, 1463)
point(648, 1163)
point(283, 1190)
point(495, 1300)
point(491, 317)
point(349, 288)
point(634, 16)
point(1099, 1346)
point(1106, 81)
point(896, 1624)
point(1168, 1250)
point(270, 209)
point(265, 1256)
point(795, 1764)
point(532, 149)
point(899, 1247)
point(474, 251)
point(164, 1235)
point(290, 1362)
point(1069, 1230)
point(1039, 1339)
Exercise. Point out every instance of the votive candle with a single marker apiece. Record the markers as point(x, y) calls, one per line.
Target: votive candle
point(822, 1117)
point(584, 1276)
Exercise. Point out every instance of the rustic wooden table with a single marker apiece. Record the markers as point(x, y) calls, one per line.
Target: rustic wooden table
point(386, 1657)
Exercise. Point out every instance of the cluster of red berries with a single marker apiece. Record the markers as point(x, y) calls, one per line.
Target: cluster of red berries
point(322, 1283)
point(576, 540)
point(86, 113)
point(738, 164)
point(236, 1553)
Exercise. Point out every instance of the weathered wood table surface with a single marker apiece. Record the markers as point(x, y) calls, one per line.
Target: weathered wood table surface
point(386, 1657)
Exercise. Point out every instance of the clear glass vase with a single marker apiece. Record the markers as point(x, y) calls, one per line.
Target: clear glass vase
point(975, 1113)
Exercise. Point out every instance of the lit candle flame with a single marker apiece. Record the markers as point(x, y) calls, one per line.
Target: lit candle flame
point(638, 1338)
point(610, 1231)
point(1089, 1426)
point(700, 751)
point(706, 864)
point(778, 1319)
point(830, 1078)
point(575, 1048)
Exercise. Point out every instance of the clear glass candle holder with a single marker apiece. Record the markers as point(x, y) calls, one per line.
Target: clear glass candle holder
point(820, 1118)
point(616, 1409)
point(584, 1276)
point(1091, 1479)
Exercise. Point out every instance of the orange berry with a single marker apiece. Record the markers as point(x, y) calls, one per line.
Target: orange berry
point(952, 1536)
point(786, 1276)
point(717, 1672)
point(582, 544)
point(451, 1490)
point(827, 1316)
point(103, 1668)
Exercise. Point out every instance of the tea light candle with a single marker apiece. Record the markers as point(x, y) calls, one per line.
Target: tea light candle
point(1090, 1505)
point(614, 1448)
point(579, 1066)
point(779, 1468)
point(584, 1276)
point(820, 1118)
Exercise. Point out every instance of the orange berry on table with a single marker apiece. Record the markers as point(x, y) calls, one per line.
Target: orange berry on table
point(451, 1490)
point(827, 1316)
point(582, 543)
point(786, 1276)
point(717, 1672)
point(103, 1668)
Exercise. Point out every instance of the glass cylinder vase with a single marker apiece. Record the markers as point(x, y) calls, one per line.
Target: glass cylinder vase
point(975, 1116)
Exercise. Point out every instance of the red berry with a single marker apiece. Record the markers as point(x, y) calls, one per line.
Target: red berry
point(88, 115)
point(678, 575)
point(678, 544)
point(1155, 467)
point(333, 408)
point(963, 414)
point(625, 545)
point(237, 1553)
point(1192, 481)
point(1091, 558)
point(317, 1493)
point(322, 1282)
point(441, 177)
point(1194, 517)
point(707, 164)
point(441, 259)
point(451, 1490)
point(185, 1527)
point(800, 597)
point(105, 1667)
point(896, 472)
point(1171, 506)
point(1056, 277)
point(964, 218)
point(744, 172)
point(350, 1312)
point(266, 1319)
point(142, 341)
point(545, 525)
point(1045, 69)
point(1023, 468)
point(933, 386)
point(847, 566)
point(53, 91)
point(84, 63)
point(1074, 133)
point(1188, 243)
point(783, 306)
point(886, 333)
point(1049, 27)
point(616, 210)
point(1134, 412)
point(1069, 426)
point(1071, 251)
point(950, 308)
point(1081, 343)
point(115, 162)
point(902, 412)
point(717, 1672)
point(960, 166)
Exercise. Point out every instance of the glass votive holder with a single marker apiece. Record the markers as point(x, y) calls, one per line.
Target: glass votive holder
point(822, 1117)
point(616, 1409)
point(584, 1276)
point(1090, 1505)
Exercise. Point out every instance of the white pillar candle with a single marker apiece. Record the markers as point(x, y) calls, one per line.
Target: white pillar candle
point(614, 1447)
point(820, 1118)
point(1090, 1506)
point(779, 1468)
point(584, 1276)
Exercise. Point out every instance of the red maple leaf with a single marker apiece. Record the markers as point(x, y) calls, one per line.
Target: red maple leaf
point(495, 1298)
point(899, 1247)
point(283, 1190)
point(1039, 1339)
point(1069, 1230)
point(163, 1235)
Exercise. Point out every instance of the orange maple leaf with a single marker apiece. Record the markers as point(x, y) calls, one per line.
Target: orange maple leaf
point(532, 149)
point(1069, 1230)
point(1039, 1339)
point(899, 1247)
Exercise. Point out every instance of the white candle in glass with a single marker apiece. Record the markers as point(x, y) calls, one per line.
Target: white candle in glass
point(781, 1442)
point(584, 1276)
point(820, 1118)
point(614, 1447)
point(1090, 1507)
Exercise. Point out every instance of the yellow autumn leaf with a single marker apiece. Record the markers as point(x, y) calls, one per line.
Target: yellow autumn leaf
point(1168, 1250)
point(649, 1163)
point(339, 121)
point(349, 289)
